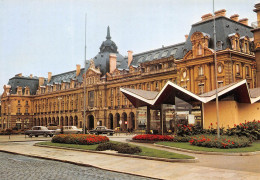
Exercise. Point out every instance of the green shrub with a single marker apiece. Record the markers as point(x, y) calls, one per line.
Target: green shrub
point(121, 148)
point(224, 142)
point(182, 138)
point(188, 130)
point(248, 129)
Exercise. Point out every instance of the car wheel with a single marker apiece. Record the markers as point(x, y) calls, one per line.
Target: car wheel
point(45, 135)
point(36, 135)
point(30, 135)
point(51, 135)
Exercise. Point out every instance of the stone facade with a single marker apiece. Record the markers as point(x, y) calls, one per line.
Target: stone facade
point(59, 99)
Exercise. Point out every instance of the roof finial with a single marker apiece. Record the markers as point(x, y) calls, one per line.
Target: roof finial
point(108, 33)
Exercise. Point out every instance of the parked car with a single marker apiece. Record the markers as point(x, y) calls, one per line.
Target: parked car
point(39, 130)
point(69, 130)
point(53, 126)
point(102, 130)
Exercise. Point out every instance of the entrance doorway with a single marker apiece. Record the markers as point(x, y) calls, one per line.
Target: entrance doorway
point(90, 122)
point(111, 123)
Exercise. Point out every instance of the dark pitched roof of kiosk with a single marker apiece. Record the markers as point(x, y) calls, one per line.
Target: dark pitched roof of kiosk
point(170, 90)
point(145, 94)
point(254, 92)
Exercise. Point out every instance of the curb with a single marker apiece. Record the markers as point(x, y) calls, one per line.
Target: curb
point(125, 155)
point(209, 153)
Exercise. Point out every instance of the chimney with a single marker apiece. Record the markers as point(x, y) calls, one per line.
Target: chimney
point(112, 62)
point(41, 81)
point(234, 17)
point(206, 16)
point(244, 21)
point(130, 57)
point(49, 76)
point(186, 37)
point(19, 75)
point(31, 75)
point(77, 69)
point(221, 12)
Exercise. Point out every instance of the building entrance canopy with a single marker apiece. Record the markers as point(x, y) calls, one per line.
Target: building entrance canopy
point(239, 91)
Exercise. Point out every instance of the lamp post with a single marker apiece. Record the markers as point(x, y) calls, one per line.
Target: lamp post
point(59, 98)
point(8, 119)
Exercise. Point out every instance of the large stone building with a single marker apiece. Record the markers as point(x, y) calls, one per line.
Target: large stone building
point(59, 99)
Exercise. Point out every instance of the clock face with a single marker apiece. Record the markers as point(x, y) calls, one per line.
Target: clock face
point(219, 68)
point(184, 74)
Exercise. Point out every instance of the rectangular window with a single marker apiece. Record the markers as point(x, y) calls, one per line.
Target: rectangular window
point(26, 110)
point(19, 102)
point(18, 110)
point(220, 84)
point(201, 88)
point(26, 102)
point(237, 69)
point(247, 71)
point(91, 98)
point(200, 71)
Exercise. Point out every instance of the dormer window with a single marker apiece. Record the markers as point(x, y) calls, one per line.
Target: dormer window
point(234, 40)
point(219, 45)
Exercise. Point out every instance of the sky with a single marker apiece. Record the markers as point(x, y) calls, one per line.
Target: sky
point(41, 36)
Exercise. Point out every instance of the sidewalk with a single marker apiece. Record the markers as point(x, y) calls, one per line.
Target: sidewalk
point(142, 167)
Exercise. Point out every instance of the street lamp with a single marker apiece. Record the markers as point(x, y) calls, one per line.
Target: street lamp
point(8, 119)
point(59, 98)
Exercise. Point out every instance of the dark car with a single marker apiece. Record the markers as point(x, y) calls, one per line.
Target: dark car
point(39, 130)
point(102, 130)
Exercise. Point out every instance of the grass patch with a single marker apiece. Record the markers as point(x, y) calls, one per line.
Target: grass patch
point(252, 148)
point(162, 154)
point(150, 152)
point(76, 146)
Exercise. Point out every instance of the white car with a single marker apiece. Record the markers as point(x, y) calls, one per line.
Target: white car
point(69, 130)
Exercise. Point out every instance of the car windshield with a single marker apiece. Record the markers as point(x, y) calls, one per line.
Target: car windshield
point(44, 128)
point(73, 127)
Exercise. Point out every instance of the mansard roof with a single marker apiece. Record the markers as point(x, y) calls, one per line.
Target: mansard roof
point(159, 53)
point(31, 82)
point(224, 27)
point(66, 77)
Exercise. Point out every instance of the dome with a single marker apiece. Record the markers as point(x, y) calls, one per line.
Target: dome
point(102, 58)
point(108, 45)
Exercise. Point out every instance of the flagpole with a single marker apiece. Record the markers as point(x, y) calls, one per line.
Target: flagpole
point(84, 80)
point(216, 78)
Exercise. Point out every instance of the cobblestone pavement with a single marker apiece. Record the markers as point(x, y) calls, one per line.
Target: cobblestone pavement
point(14, 167)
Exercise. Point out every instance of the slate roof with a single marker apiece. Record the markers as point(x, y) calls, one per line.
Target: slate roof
point(32, 83)
point(102, 58)
point(224, 27)
point(66, 77)
point(159, 53)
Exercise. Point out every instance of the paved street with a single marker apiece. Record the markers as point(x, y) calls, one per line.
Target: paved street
point(14, 167)
point(208, 167)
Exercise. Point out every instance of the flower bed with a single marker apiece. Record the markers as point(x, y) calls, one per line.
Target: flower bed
point(151, 137)
point(81, 139)
point(248, 129)
point(224, 142)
